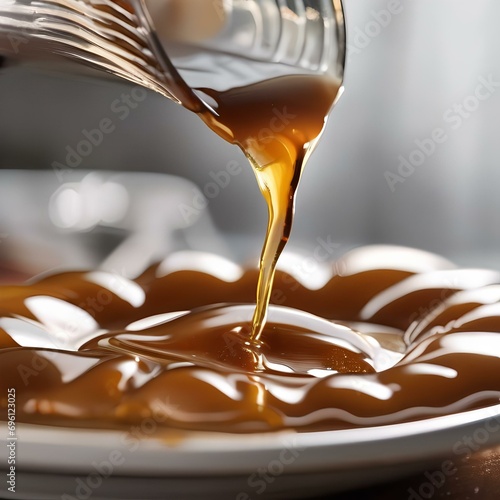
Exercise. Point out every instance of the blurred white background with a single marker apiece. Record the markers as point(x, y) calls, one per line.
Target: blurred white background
point(405, 77)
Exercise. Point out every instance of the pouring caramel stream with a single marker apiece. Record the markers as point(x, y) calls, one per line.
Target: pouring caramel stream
point(277, 124)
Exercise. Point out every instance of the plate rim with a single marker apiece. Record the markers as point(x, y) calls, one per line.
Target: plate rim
point(49, 448)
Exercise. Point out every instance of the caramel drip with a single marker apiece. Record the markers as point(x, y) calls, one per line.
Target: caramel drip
point(277, 128)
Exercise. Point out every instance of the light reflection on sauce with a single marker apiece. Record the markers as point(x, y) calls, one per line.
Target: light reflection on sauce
point(85, 352)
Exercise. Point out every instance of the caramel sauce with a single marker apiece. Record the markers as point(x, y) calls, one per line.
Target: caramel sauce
point(276, 123)
point(90, 349)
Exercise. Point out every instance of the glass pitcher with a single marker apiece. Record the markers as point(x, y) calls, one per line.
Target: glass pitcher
point(175, 46)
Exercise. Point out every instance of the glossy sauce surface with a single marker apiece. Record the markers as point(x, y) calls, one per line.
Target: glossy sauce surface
point(91, 349)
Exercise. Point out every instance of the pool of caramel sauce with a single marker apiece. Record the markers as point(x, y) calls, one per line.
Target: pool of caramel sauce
point(378, 344)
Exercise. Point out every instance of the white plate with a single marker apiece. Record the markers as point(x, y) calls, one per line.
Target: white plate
point(68, 464)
